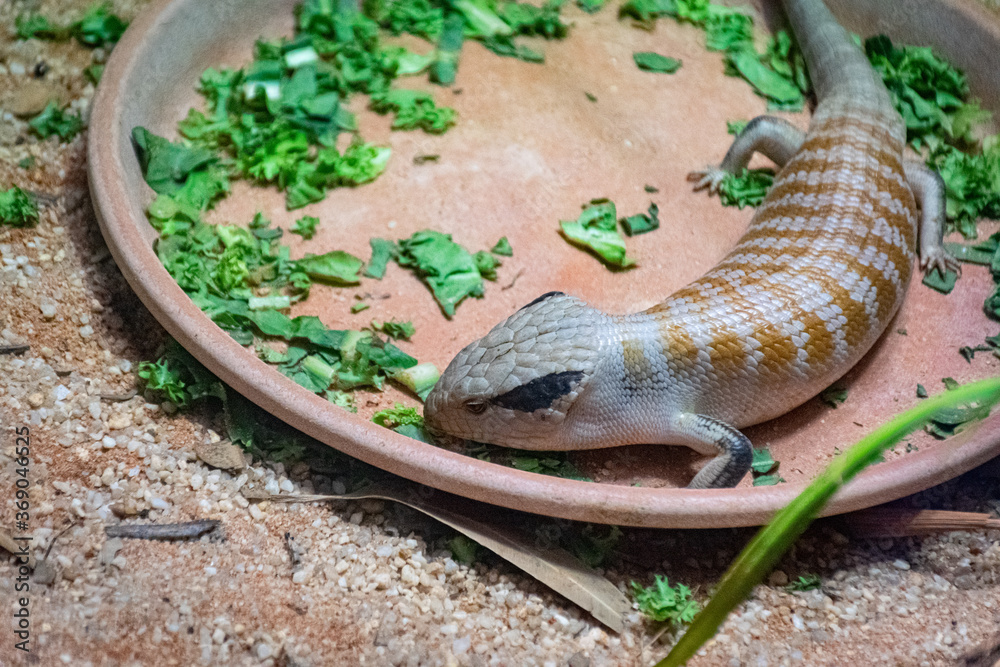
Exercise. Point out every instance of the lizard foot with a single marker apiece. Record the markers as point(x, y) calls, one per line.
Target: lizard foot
point(709, 177)
point(939, 259)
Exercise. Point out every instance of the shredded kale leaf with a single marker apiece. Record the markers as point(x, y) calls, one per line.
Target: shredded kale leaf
point(596, 230)
point(305, 227)
point(55, 121)
point(747, 188)
point(18, 208)
point(664, 603)
point(413, 109)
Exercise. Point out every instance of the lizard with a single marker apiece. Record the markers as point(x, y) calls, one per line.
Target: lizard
point(820, 272)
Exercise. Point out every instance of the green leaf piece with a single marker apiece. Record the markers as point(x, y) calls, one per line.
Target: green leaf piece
point(597, 230)
point(940, 283)
point(305, 227)
point(382, 252)
point(502, 248)
point(18, 208)
point(648, 61)
point(54, 121)
point(834, 395)
point(664, 603)
point(336, 267)
point(448, 269)
point(747, 188)
point(642, 222)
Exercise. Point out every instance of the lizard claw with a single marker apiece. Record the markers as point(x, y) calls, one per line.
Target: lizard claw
point(939, 260)
point(709, 177)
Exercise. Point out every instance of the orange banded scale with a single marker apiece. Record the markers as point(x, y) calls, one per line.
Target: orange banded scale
point(803, 295)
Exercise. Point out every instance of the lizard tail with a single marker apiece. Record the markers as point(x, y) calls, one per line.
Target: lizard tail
point(836, 65)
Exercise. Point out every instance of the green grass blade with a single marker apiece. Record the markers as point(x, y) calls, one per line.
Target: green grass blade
point(773, 540)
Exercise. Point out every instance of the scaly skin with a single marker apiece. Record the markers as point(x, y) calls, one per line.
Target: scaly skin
point(816, 279)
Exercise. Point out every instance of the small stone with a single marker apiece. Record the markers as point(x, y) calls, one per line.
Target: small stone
point(223, 454)
point(86, 331)
point(900, 564)
point(110, 550)
point(120, 421)
point(263, 651)
point(108, 442)
point(36, 400)
point(778, 578)
point(48, 310)
point(31, 97)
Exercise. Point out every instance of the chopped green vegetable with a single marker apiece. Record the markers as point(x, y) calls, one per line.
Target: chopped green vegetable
point(414, 109)
point(54, 121)
point(463, 549)
point(806, 582)
point(594, 544)
point(502, 248)
point(18, 208)
point(765, 81)
point(968, 353)
point(448, 269)
point(664, 603)
point(337, 267)
point(189, 174)
point(449, 46)
point(359, 306)
point(734, 127)
point(921, 391)
point(642, 222)
point(97, 27)
point(650, 189)
point(941, 283)
point(27, 163)
point(419, 379)
point(305, 227)
point(556, 464)
point(833, 395)
point(764, 468)
point(382, 252)
point(395, 330)
point(597, 230)
point(648, 61)
point(746, 188)
point(950, 383)
point(424, 159)
point(590, 6)
point(398, 416)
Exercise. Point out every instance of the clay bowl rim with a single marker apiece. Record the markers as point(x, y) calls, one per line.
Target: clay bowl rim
point(121, 221)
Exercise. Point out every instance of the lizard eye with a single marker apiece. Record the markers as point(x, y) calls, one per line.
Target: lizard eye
point(475, 407)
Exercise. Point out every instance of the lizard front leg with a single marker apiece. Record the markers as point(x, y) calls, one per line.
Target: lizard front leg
point(733, 450)
point(773, 137)
point(929, 191)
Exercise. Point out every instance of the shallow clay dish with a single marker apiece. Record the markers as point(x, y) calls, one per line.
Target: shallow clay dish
point(529, 148)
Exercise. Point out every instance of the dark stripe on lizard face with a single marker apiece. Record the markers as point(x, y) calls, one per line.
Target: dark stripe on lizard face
point(540, 393)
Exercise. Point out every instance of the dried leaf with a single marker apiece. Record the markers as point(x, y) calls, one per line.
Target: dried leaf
point(554, 567)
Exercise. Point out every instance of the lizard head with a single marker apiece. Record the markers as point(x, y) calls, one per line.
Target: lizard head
point(517, 384)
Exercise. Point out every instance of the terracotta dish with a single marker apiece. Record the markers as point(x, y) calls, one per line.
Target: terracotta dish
point(530, 148)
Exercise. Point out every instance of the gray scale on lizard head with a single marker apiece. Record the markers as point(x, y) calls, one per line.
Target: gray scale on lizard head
point(522, 376)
